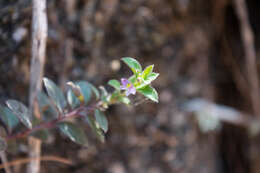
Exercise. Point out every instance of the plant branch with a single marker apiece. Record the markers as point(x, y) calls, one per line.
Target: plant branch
point(51, 124)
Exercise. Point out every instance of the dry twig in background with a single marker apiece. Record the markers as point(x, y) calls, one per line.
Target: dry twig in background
point(250, 55)
point(5, 162)
point(43, 158)
point(39, 36)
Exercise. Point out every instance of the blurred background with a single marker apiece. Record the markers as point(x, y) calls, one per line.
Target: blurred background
point(202, 49)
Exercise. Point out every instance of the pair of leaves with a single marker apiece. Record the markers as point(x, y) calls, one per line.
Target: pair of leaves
point(84, 88)
point(21, 111)
point(145, 88)
point(147, 76)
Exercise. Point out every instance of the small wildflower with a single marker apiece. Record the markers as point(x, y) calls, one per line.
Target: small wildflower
point(127, 86)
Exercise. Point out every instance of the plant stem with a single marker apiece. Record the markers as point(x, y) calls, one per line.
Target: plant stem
point(52, 123)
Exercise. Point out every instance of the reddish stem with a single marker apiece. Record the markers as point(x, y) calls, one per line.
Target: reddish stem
point(52, 123)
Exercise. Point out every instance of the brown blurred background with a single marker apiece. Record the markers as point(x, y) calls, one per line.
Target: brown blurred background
point(196, 46)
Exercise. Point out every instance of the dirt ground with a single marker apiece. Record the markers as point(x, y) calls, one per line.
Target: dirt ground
point(196, 47)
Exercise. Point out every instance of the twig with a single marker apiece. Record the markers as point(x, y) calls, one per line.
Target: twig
point(39, 37)
point(239, 78)
point(43, 158)
point(35, 152)
point(250, 55)
point(5, 162)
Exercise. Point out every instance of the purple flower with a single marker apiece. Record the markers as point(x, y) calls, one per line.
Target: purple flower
point(127, 86)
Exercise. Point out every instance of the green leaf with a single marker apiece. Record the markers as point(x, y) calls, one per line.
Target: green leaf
point(8, 117)
point(101, 120)
point(148, 70)
point(85, 89)
point(96, 128)
point(148, 80)
point(104, 94)
point(74, 132)
point(133, 64)
point(124, 100)
point(55, 94)
point(132, 79)
point(46, 107)
point(72, 99)
point(95, 90)
point(151, 77)
point(149, 92)
point(114, 83)
point(21, 111)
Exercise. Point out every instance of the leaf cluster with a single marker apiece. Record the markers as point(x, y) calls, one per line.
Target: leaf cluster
point(141, 79)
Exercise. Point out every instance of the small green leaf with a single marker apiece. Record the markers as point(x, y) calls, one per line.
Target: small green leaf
point(8, 117)
point(101, 120)
point(133, 64)
point(95, 90)
point(104, 94)
point(114, 83)
point(124, 100)
point(149, 92)
point(85, 89)
point(74, 132)
point(96, 128)
point(55, 94)
point(21, 111)
point(47, 109)
point(132, 79)
point(151, 77)
point(148, 70)
point(72, 99)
